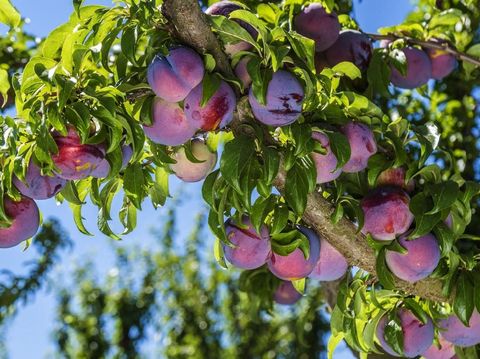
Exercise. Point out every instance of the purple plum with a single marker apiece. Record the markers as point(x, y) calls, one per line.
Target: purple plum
point(325, 163)
point(25, 218)
point(242, 73)
point(331, 265)
point(286, 294)
point(419, 70)
point(395, 177)
point(454, 331)
point(37, 186)
point(362, 146)
point(351, 46)
point(445, 350)
point(189, 171)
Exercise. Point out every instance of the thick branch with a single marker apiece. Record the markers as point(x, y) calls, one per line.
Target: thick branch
point(444, 46)
point(192, 28)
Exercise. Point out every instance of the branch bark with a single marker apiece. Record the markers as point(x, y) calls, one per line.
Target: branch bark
point(192, 28)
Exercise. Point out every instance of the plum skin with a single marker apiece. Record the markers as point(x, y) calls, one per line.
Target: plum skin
point(172, 77)
point(395, 177)
point(76, 160)
point(242, 73)
point(326, 164)
point(189, 171)
point(351, 46)
point(315, 23)
point(25, 218)
point(443, 63)
point(362, 146)
point(445, 351)
point(417, 337)
point(331, 264)
point(37, 186)
point(454, 331)
point(284, 100)
point(421, 259)
point(294, 266)
point(386, 213)
point(103, 170)
point(217, 112)
point(252, 249)
point(169, 124)
point(419, 70)
point(286, 294)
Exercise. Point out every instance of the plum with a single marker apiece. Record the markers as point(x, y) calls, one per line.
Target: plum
point(317, 24)
point(443, 63)
point(25, 218)
point(189, 171)
point(294, 266)
point(419, 70)
point(103, 169)
point(284, 100)
point(252, 249)
point(446, 350)
point(242, 73)
point(170, 125)
point(457, 333)
point(421, 259)
point(351, 46)
point(37, 186)
point(320, 62)
point(325, 163)
point(172, 77)
point(417, 337)
point(386, 213)
point(331, 265)
point(286, 294)
point(362, 146)
point(217, 112)
point(395, 176)
point(224, 8)
point(76, 160)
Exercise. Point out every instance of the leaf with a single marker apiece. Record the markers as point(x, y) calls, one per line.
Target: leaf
point(383, 273)
point(463, 303)
point(299, 285)
point(348, 69)
point(134, 181)
point(297, 186)
point(8, 14)
point(218, 253)
point(469, 67)
point(4, 86)
point(210, 85)
point(443, 195)
point(340, 147)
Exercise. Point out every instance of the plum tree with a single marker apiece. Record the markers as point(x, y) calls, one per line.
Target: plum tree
point(169, 124)
point(351, 46)
point(326, 164)
point(172, 77)
point(442, 350)
point(25, 220)
point(74, 159)
point(454, 331)
point(295, 265)
point(362, 146)
point(420, 260)
point(419, 69)
point(331, 264)
point(386, 213)
point(286, 294)
point(189, 171)
point(250, 249)
point(395, 176)
point(417, 336)
point(319, 25)
point(216, 113)
point(284, 100)
point(38, 186)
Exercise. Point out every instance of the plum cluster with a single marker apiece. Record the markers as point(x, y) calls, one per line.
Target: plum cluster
point(251, 250)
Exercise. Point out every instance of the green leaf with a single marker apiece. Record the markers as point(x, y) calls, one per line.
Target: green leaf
point(134, 180)
point(8, 14)
point(340, 147)
point(210, 85)
point(469, 67)
point(393, 332)
point(348, 69)
point(383, 273)
point(297, 187)
point(299, 285)
point(443, 195)
point(4, 85)
point(236, 156)
point(463, 303)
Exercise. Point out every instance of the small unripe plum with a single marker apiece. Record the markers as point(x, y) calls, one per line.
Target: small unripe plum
point(386, 213)
point(351, 46)
point(76, 160)
point(283, 101)
point(449, 221)
point(320, 62)
point(170, 125)
point(395, 177)
point(362, 146)
point(331, 265)
point(315, 23)
point(286, 294)
point(37, 186)
point(443, 63)
point(294, 266)
point(189, 171)
point(103, 169)
point(445, 351)
point(224, 8)
point(420, 260)
point(457, 333)
point(217, 112)
point(172, 77)
point(325, 163)
point(252, 249)
point(242, 73)
point(417, 337)
point(419, 70)
point(25, 218)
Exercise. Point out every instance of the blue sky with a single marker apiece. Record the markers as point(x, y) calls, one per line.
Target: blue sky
point(28, 336)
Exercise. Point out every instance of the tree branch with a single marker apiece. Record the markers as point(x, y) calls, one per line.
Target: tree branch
point(443, 46)
point(192, 28)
